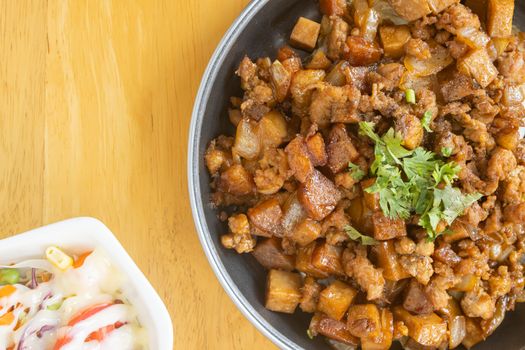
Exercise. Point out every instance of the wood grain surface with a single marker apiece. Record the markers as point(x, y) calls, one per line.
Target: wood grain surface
point(95, 104)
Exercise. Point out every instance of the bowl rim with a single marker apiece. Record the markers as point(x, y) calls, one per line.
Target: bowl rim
point(81, 233)
point(194, 188)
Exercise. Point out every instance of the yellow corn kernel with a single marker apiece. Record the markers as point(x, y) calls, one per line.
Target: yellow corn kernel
point(58, 258)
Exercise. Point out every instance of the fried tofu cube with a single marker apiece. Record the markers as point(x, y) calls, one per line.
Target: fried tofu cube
point(384, 340)
point(318, 195)
point(411, 9)
point(478, 65)
point(266, 217)
point(333, 7)
point(333, 329)
point(394, 39)
point(386, 228)
point(499, 18)
point(299, 158)
point(304, 34)
point(317, 149)
point(335, 299)
point(387, 259)
point(340, 149)
point(269, 253)
point(237, 181)
point(362, 52)
point(428, 330)
point(303, 261)
point(283, 291)
point(364, 321)
point(305, 232)
point(272, 129)
point(327, 258)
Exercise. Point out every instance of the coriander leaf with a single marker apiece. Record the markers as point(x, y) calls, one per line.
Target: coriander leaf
point(423, 201)
point(356, 236)
point(356, 172)
point(446, 173)
point(454, 202)
point(425, 121)
point(407, 182)
point(394, 203)
point(420, 164)
point(367, 129)
point(446, 151)
point(394, 147)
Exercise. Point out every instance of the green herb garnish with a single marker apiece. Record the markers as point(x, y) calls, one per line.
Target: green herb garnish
point(415, 182)
point(425, 121)
point(356, 171)
point(9, 276)
point(446, 151)
point(54, 307)
point(358, 236)
point(410, 96)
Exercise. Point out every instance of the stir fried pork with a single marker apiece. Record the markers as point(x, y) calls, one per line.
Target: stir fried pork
point(377, 171)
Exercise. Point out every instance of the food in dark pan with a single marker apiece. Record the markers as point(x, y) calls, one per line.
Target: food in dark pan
point(381, 180)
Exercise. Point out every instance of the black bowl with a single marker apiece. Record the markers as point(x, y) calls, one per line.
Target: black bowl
point(261, 29)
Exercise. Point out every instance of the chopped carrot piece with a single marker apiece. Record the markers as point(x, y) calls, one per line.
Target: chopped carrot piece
point(7, 319)
point(61, 342)
point(6, 291)
point(80, 260)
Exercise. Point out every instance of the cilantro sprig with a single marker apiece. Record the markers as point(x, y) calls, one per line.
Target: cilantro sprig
point(415, 182)
point(425, 121)
point(356, 171)
point(358, 236)
point(446, 151)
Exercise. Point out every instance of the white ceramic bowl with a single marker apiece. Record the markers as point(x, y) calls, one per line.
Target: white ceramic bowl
point(81, 234)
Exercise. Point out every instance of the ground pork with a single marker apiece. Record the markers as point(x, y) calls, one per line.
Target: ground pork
point(367, 276)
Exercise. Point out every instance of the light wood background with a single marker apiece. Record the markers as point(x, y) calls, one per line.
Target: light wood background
point(95, 104)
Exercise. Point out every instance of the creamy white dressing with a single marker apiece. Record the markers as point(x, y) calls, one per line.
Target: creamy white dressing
point(44, 315)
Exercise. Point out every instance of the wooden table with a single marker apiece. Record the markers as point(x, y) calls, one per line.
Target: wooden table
point(95, 104)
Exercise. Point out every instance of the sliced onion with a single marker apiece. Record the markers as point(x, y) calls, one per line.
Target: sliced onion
point(424, 67)
point(458, 330)
point(337, 76)
point(473, 37)
point(247, 143)
point(489, 326)
point(40, 264)
point(386, 12)
point(34, 283)
point(293, 212)
point(369, 27)
point(505, 253)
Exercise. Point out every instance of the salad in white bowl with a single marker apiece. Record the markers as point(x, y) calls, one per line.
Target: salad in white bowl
point(78, 298)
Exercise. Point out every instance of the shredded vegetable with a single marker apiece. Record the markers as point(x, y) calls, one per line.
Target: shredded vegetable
point(67, 302)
